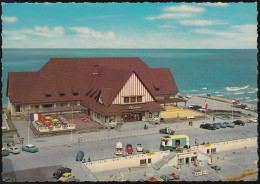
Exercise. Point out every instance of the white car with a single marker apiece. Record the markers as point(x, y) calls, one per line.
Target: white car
point(14, 150)
point(254, 120)
point(139, 148)
point(188, 96)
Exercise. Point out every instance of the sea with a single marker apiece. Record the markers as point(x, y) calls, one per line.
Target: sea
point(225, 73)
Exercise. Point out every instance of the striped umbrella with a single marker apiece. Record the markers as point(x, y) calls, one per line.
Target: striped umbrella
point(63, 120)
point(45, 120)
point(55, 120)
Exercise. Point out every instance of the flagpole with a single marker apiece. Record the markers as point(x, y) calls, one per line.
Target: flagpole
point(205, 108)
point(28, 124)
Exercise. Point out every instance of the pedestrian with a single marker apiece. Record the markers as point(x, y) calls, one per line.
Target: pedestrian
point(191, 123)
point(89, 159)
point(213, 118)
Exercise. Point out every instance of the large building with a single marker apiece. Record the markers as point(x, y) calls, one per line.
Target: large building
point(108, 89)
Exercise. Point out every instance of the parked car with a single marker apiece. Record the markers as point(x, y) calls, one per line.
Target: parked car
point(5, 152)
point(72, 180)
point(139, 148)
point(239, 122)
point(66, 176)
point(254, 120)
point(140, 180)
point(165, 178)
point(194, 107)
point(158, 178)
point(119, 148)
point(223, 125)
point(188, 96)
point(30, 148)
point(208, 126)
point(80, 156)
point(60, 171)
point(152, 179)
point(242, 106)
point(175, 176)
point(167, 130)
point(216, 125)
point(229, 124)
point(129, 149)
point(171, 178)
point(14, 150)
point(215, 167)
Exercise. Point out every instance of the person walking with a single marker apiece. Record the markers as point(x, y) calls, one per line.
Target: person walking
point(191, 123)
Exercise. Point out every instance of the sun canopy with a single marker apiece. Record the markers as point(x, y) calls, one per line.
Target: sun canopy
point(47, 117)
point(63, 120)
point(45, 120)
point(49, 124)
point(59, 117)
point(55, 120)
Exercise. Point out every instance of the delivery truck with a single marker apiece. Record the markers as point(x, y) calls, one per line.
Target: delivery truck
point(174, 142)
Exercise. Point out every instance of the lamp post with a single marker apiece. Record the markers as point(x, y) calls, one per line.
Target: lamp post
point(22, 141)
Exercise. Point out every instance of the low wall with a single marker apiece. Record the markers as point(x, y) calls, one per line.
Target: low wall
point(123, 162)
point(227, 145)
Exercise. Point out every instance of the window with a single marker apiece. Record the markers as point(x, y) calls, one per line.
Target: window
point(47, 105)
point(180, 161)
point(149, 160)
point(126, 99)
point(48, 95)
point(133, 99)
point(75, 94)
point(17, 108)
point(213, 150)
point(36, 106)
point(139, 99)
point(62, 94)
point(143, 162)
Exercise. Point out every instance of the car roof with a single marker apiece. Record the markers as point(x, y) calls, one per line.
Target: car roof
point(30, 145)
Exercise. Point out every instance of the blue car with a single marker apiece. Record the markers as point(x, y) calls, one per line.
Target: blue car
point(228, 124)
point(30, 148)
point(223, 125)
point(5, 152)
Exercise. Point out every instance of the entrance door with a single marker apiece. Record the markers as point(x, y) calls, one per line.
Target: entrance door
point(187, 160)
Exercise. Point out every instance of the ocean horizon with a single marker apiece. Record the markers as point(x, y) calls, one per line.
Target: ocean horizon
point(225, 73)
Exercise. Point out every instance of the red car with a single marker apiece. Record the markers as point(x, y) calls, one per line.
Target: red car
point(152, 179)
point(175, 176)
point(129, 149)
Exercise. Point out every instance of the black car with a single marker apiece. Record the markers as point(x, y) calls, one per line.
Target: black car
point(80, 156)
point(195, 107)
point(60, 171)
point(208, 126)
point(239, 122)
point(167, 130)
point(242, 106)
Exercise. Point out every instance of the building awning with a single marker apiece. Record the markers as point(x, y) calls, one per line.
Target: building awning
point(170, 100)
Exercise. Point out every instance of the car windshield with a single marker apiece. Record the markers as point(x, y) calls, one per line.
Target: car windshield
point(129, 146)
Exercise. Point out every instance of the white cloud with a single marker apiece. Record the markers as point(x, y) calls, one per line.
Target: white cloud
point(86, 32)
point(200, 22)
point(167, 26)
point(170, 16)
point(213, 4)
point(9, 19)
point(238, 32)
point(184, 8)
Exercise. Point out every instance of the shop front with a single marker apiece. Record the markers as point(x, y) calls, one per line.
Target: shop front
point(132, 116)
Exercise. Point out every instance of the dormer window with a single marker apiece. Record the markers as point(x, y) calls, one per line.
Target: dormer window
point(48, 95)
point(74, 90)
point(75, 94)
point(62, 94)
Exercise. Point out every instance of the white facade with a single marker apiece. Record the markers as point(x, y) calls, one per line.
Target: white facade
point(133, 87)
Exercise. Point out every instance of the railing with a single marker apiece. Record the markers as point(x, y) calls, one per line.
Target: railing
point(90, 174)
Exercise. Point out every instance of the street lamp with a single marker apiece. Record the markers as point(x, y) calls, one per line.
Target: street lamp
point(22, 141)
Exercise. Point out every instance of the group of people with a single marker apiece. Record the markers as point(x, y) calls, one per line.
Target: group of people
point(145, 127)
point(190, 123)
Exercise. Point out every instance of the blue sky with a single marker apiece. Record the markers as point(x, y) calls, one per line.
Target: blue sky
point(130, 25)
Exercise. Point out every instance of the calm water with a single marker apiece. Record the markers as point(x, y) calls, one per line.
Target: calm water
point(196, 71)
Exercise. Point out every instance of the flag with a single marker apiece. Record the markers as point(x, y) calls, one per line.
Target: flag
point(206, 106)
point(35, 117)
point(234, 100)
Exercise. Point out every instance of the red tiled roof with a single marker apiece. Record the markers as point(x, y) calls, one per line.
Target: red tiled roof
point(170, 100)
point(83, 75)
